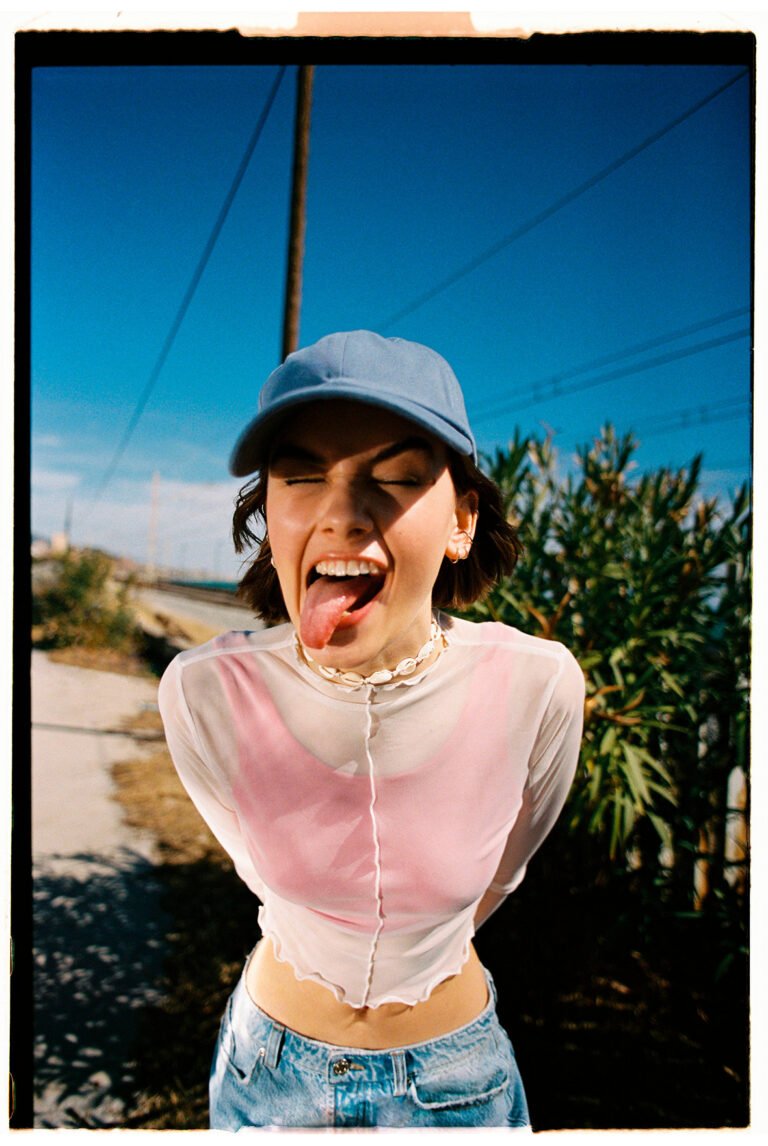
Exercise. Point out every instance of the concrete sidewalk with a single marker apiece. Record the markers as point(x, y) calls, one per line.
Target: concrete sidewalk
point(98, 927)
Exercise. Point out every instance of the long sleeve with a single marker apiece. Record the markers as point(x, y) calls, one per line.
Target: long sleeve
point(371, 823)
point(550, 775)
point(207, 789)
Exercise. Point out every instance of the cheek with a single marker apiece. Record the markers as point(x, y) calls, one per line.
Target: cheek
point(280, 527)
point(426, 538)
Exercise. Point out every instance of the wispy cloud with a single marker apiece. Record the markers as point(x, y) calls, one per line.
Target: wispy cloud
point(53, 480)
point(176, 523)
point(47, 441)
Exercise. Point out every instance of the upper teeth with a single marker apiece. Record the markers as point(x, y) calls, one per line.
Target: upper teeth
point(345, 568)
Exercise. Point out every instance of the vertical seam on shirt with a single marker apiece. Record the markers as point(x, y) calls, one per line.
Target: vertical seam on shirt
point(376, 848)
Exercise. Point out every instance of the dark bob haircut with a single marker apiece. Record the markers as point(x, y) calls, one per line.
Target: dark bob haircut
point(493, 555)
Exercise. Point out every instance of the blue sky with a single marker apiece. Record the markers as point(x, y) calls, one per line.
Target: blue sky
point(642, 280)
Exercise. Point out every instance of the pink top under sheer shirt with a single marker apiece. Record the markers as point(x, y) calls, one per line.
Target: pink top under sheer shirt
point(371, 822)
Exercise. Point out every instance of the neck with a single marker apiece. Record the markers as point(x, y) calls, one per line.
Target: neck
point(408, 667)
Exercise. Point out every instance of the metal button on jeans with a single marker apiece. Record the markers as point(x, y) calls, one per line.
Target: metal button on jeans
point(343, 1065)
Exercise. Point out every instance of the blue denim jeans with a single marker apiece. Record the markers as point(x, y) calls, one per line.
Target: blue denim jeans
point(264, 1074)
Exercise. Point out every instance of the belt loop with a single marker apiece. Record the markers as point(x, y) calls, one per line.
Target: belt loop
point(273, 1045)
point(400, 1075)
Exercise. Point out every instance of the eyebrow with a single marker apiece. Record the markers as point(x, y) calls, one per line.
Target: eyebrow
point(288, 451)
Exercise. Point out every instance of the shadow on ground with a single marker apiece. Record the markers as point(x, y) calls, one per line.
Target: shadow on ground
point(612, 1029)
point(607, 1035)
point(100, 937)
point(214, 927)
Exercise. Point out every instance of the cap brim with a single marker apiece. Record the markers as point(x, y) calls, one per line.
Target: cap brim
point(252, 447)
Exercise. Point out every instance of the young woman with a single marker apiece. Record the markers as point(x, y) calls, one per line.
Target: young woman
point(379, 772)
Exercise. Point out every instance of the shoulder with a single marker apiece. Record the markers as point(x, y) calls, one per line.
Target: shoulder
point(510, 641)
point(235, 644)
point(536, 661)
point(251, 645)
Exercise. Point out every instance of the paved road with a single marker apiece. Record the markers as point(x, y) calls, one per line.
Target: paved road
point(218, 617)
point(99, 928)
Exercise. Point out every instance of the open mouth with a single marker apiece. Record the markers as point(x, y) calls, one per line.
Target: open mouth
point(364, 579)
point(337, 591)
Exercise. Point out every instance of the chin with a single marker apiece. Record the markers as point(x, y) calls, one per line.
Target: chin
point(344, 650)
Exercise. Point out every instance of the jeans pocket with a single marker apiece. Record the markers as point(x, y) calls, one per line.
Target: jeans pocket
point(468, 1083)
point(238, 1052)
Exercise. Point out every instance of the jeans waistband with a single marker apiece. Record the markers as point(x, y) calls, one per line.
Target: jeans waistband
point(273, 1040)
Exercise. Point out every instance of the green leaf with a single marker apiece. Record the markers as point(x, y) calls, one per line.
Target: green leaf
point(615, 828)
point(663, 830)
point(608, 740)
point(635, 775)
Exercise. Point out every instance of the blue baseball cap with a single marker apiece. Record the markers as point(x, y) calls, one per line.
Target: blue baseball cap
point(398, 375)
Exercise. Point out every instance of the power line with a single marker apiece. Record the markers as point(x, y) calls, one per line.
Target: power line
point(558, 205)
point(727, 409)
point(191, 289)
point(670, 422)
point(629, 352)
point(698, 416)
point(659, 419)
point(558, 391)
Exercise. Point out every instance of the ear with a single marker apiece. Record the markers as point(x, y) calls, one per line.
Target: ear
point(463, 533)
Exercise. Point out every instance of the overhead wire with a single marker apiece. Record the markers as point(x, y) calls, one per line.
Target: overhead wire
point(203, 512)
point(664, 423)
point(461, 272)
point(558, 391)
point(190, 291)
point(721, 404)
point(616, 356)
point(558, 205)
point(724, 411)
point(727, 409)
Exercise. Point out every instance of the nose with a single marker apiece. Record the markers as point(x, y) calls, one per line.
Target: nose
point(346, 510)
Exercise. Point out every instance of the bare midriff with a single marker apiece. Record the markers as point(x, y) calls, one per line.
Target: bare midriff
point(312, 1010)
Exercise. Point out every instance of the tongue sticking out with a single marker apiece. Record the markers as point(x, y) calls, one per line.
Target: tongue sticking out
point(326, 601)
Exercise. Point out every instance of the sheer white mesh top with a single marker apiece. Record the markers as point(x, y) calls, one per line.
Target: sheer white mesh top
point(371, 822)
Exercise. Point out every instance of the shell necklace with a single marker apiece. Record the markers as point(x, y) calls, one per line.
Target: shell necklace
point(405, 668)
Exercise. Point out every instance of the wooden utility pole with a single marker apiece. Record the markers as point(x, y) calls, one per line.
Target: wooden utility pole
point(298, 212)
point(68, 525)
point(151, 566)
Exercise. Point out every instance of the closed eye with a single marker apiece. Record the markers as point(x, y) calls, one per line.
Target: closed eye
point(397, 481)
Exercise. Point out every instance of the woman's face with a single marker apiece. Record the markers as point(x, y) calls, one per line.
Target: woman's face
point(361, 510)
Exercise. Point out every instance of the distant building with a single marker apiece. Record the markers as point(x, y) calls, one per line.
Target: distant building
point(59, 542)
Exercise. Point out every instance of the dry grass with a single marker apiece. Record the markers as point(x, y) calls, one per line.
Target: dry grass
point(154, 800)
point(174, 627)
point(212, 926)
point(104, 660)
point(604, 1039)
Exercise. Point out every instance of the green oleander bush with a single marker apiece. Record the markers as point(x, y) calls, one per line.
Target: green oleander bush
point(648, 583)
point(79, 605)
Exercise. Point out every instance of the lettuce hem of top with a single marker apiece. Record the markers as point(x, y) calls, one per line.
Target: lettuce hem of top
point(316, 977)
point(410, 681)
